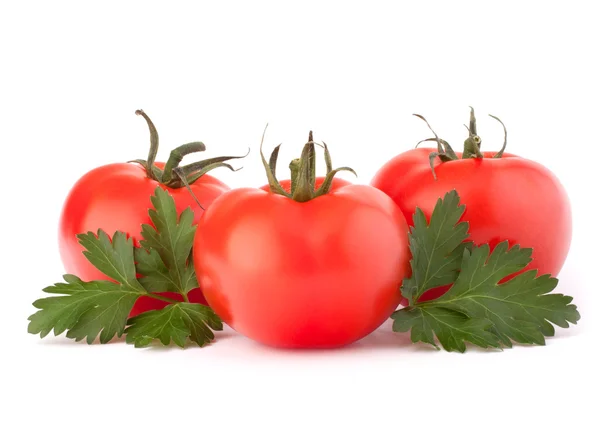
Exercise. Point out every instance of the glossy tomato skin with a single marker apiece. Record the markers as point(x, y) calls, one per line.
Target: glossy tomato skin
point(116, 197)
point(510, 198)
point(318, 274)
point(287, 184)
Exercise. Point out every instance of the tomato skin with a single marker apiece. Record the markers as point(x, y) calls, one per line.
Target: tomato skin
point(116, 197)
point(287, 184)
point(318, 274)
point(510, 198)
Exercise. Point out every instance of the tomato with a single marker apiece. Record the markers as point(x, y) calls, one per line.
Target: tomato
point(319, 273)
point(116, 197)
point(323, 273)
point(507, 198)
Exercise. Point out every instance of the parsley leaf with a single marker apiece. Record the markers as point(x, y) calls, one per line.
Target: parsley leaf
point(87, 309)
point(176, 322)
point(521, 309)
point(164, 258)
point(437, 247)
point(451, 327)
point(476, 309)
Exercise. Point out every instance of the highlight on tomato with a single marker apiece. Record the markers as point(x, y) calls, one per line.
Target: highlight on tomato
point(317, 263)
point(116, 197)
point(507, 197)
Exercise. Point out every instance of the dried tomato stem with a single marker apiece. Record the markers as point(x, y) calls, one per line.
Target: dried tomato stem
point(153, 145)
point(177, 156)
point(303, 173)
point(472, 145)
point(173, 175)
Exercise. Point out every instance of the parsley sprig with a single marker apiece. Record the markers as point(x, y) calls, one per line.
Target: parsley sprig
point(476, 309)
point(88, 309)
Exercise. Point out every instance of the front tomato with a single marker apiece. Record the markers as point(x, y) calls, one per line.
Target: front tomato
point(116, 197)
point(312, 271)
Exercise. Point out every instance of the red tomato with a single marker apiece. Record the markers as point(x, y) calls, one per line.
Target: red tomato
point(116, 197)
point(317, 274)
point(287, 184)
point(508, 198)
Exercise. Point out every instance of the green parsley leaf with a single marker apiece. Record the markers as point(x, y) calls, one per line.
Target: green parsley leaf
point(477, 308)
point(521, 309)
point(451, 327)
point(437, 247)
point(164, 258)
point(87, 309)
point(176, 322)
point(113, 258)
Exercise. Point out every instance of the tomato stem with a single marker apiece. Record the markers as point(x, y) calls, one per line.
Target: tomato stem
point(177, 156)
point(153, 145)
point(191, 173)
point(196, 170)
point(472, 145)
point(303, 172)
point(304, 188)
point(445, 152)
point(270, 167)
point(294, 172)
point(501, 152)
point(472, 122)
point(187, 185)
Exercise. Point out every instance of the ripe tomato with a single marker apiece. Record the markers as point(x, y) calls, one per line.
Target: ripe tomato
point(508, 198)
point(323, 272)
point(116, 197)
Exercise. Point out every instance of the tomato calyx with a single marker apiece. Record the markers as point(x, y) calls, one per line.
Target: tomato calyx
point(303, 172)
point(173, 175)
point(472, 145)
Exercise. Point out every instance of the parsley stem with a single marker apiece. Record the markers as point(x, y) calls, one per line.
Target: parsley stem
point(165, 299)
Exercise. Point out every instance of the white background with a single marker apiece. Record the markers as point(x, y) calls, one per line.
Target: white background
point(71, 76)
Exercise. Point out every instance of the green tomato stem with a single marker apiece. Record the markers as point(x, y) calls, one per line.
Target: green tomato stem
point(170, 176)
point(472, 145)
point(303, 172)
point(153, 146)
